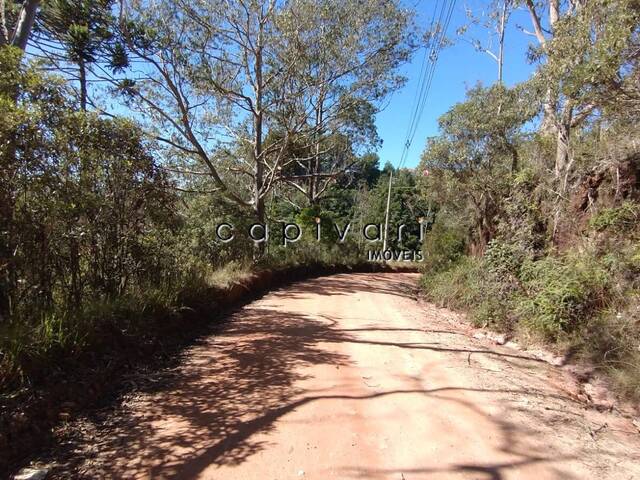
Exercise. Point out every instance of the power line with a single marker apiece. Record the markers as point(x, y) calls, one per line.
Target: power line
point(424, 68)
point(427, 71)
point(430, 59)
point(436, 45)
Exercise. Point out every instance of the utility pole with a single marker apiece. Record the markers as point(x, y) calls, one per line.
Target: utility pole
point(386, 216)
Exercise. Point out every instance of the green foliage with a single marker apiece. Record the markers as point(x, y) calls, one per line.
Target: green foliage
point(610, 341)
point(523, 222)
point(502, 258)
point(406, 207)
point(308, 219)
point(584, 300)
point(455, 287)
point(520, 199)
point(625, 217)
point(83, 27)
point(443, 247)
point(95, 238)
point(591, 52)
point(472, 161)
point(552, 296)
point(86, 219)
point(561, 292)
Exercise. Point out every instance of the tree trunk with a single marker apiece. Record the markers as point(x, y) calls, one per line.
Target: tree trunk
point(24, 24)
point(83, 85)
point(548, 124)
point(7, 248)
point(514, 158)
point(315, 169)
point(562, 150)
point(563, 135)
point(258, 197)
point(554, 12)
point(503, 21)
point(259, 212)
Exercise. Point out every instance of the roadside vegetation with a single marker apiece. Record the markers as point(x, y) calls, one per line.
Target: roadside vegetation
point(114, 177)
point(537, 191)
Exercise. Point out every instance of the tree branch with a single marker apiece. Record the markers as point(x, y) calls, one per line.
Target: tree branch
point(535, 19)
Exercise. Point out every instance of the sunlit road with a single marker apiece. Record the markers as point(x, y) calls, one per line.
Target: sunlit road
point(349, 377)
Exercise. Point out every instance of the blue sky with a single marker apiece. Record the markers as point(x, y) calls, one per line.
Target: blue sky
point(459, 66)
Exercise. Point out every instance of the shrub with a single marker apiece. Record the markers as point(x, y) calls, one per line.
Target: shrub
point(504, 258)
point(455, 287)
point(443, 247)
point(560, 293)
point(611, 341)
point(589, 303)
point(622, 218)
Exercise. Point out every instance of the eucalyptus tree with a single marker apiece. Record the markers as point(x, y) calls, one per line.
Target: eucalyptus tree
point(348, 55)
point(231, 88)
point(494, 20)
point(585, 47)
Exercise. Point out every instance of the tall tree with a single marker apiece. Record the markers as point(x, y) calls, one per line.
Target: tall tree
point(582, 49)
point(233, 86)
point(348, 57)
point(76, 32)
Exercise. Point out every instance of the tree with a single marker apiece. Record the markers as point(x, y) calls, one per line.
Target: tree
point(495, 22)
point(16, 22)
point(348, 54)
point(78, 32)
point(585, 45)
point(406, 207)
point(237, 94)
point(80, 198)
point(471, 162)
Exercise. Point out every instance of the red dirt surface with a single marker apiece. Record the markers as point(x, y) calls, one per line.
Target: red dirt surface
point(349, 377)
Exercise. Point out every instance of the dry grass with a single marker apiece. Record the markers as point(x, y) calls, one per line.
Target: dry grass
point(232, 272)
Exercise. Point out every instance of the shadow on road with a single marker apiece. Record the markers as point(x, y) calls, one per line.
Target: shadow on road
point(232, 386)
point(382, 283)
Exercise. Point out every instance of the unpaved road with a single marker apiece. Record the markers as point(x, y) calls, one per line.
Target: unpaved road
point(349, 377)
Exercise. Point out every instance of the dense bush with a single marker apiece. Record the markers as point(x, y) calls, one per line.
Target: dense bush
point(562, 292)
point(472, 285)
point(584, 300)
point(443, 247)
point(88, 222)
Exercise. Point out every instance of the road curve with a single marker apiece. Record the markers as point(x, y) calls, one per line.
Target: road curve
point(349, 377)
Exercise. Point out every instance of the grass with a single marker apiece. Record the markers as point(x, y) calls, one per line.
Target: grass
point(560, 293)
point(230, 273)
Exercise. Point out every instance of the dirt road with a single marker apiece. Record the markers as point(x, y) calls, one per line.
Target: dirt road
point(348, 377)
